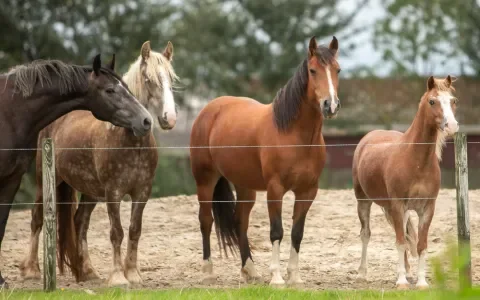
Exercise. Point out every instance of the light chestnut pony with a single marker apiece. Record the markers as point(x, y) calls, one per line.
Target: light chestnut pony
point(295, 117)
point(388, 164)
point(101, 174)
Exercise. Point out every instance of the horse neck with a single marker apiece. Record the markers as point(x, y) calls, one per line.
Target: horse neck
point(44, 107)
point(422, 131)
point(309, 122)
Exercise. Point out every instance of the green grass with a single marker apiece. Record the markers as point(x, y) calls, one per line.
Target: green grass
point(242, 293)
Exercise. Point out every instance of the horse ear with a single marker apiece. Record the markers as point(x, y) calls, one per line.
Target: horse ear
point(145, 51)
point(448, 80)
point(334, 45)
point(111, 64)
point(168, 52)
point(312, 47)
point(97, 64)
point(430, 83)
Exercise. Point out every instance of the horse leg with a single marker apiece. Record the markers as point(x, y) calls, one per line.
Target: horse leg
point(242, 216)
point(117, 277)
point(30, 268)
point(140, 200)
point(397, 215)
point(205, 217)
point(7, 195)
point(275, 194)
point(424, 220)
point(303, 201)
point(363, 210)
point(82, 222)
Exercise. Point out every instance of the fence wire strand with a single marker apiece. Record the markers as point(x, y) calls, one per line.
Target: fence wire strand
point(218, 147)
point(224, 146)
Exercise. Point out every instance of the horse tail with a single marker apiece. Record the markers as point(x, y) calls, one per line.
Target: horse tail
point(66, 236)
point(410, 234)
point(223, 208)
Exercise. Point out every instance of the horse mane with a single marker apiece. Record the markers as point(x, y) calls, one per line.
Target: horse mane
point(71, 78)
point(288, 100)
point(134, 79)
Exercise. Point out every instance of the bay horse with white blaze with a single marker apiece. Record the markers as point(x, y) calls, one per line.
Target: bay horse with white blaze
point(393, 165)
point(101, 174)
point(34, 95)
point(294, 118)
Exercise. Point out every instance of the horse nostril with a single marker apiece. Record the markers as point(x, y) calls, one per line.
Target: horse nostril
point(147, 123)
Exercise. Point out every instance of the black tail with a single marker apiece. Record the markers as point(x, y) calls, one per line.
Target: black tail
point(66, 235)
point(223, 208)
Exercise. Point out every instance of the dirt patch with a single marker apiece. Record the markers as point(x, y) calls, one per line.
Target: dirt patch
point(170, 250)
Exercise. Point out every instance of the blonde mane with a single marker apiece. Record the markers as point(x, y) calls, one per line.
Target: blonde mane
point(135, 81)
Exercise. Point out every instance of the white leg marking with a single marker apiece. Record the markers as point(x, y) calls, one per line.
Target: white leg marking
point(402, 279)
point(168, 101)
point(249, 273)
point(275, 265)
point(293, 274)
point(422, 263)
point(331, 89)
point(207, 269)
point(362, 270)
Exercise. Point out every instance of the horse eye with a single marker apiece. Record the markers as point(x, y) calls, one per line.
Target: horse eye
point(313, 71)
point(432, 102)
point(110, 91)
point(455, 101)
point(338, 72)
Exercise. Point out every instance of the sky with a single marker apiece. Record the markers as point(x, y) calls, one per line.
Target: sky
point(366, 54)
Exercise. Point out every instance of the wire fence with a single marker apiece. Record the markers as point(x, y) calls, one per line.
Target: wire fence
point(224, 147)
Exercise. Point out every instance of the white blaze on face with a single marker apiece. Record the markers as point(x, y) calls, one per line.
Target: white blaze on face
point(451, 123)
point(169, 113)
point(331, 90)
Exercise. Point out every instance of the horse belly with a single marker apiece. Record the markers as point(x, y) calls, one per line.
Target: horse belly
point(79, 173)
point(241, 167)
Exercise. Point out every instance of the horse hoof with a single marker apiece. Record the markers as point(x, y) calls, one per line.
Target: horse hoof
point(30, 273)
point(277, 282)
point(403, 286)
point(422, 287)
point(298, 283)
point(133, 276)
point(117, 279)
point(209, 279)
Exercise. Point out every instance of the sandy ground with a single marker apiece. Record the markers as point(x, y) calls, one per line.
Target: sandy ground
point(170, 251)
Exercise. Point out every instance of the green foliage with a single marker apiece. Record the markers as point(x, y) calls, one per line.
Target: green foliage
point(446, 268)
point(415, 33)
point(254, 292)
point(238, 47)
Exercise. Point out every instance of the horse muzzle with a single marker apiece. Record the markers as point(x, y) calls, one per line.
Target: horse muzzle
point(330, 108)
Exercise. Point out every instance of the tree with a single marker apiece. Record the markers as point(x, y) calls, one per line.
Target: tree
point(250, 47)
point(415, 35)
point(76, 31)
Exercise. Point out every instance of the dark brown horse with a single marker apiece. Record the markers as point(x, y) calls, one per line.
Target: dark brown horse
point(101, 174)
point(294, 118)
point(34, 95)
point(391, 164)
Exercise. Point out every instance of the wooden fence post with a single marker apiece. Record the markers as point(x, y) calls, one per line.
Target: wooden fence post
point(49, 216)
point(463, 218)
